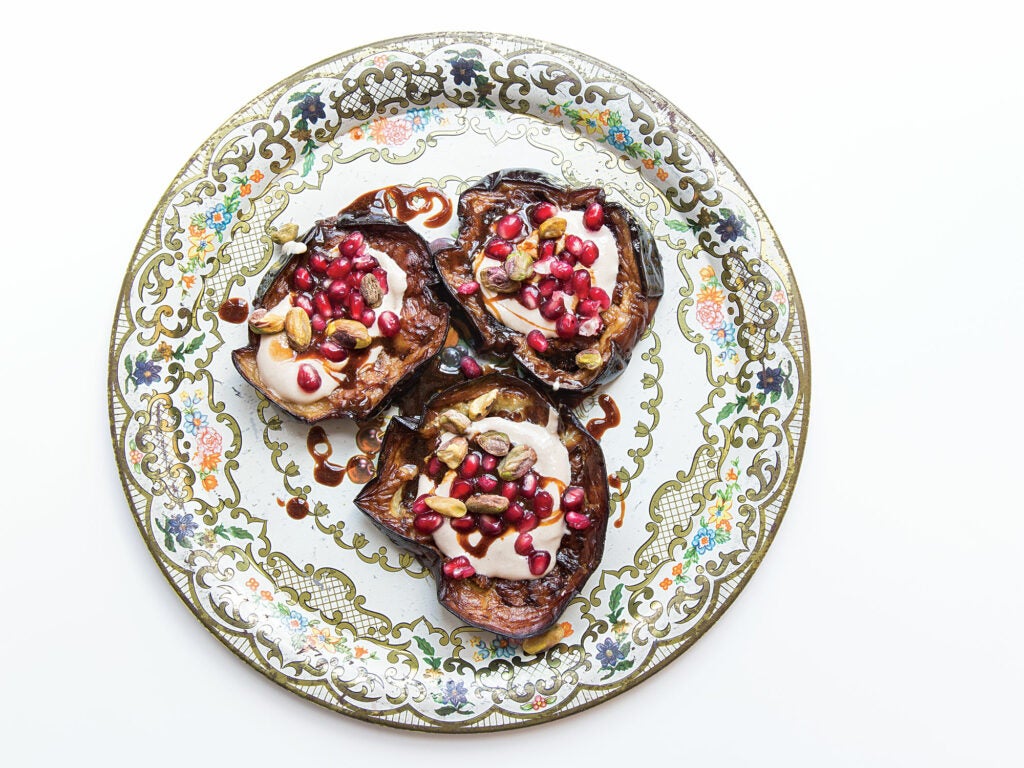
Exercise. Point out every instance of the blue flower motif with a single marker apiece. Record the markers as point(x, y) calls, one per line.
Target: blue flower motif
point(182, 526)
point(311, 108)
point(295, 621)
point(418, 118)
point(463, 71)
point(609, 653)
point(731, 228)
point(218, 218)
point(770, 380)
point(704, 541)
point(191, 401)
point(454, 693)
point(619, 137)
point(503, 649)
point(724, 335)
point(194, 420)
point(146, 373)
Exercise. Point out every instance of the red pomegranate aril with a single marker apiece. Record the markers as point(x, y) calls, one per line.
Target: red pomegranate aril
point(464, 572)
point(581, 283)
point(352, 244)
point(461, 490)
point(588, 308)
point(468, 288)
point(529, 296)
point(547, 286)
point(457, 566)
point(434, 466)
point(389, 324)
point(470, 466)
point(543, 503)
point(573, 498)
point(589, 253)
point(365, 263)
point(528, 485)
point(573, 245)
point(338, 291)
point(524, 544)
point(322, 303)
point(470, 368)
point(599, 295)
point(382, 278)
point(509, 227)
point(368, 317)
point(590, 326)
point(428, 522)
point(318, 262)
point(542, 212)
point(355, 279)
point(308, 378)
point(318, 323)
point(552, 308)
point(304, 302)
point(539, 562)
point(302, 280)
point(486, 483)
point(333, 351)
point(489, 463)
point(514, 513)
point(340, 267)
point(464, 524)
point(538, 341)
point(561, 270)
point(566, 326)
point(355, 303)
point(527, 522)
point(498, 249)
point(577, 521)
point(510, 490)
point(593, 217)
point(547, 249)
point(419, 507)
point(490, 525)
point(341, 311)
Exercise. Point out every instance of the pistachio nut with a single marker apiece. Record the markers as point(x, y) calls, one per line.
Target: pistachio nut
point(496, 279)
point(371, 289)
point(453, 421)
point(296, 325)
point(446, 506)
point(481, 405)
point(552, 228)
point(543, 641)
point(487, 503)
point(285, 234)
point(263, 322)
point(453, 451)
point(407, 472)
point(519, 265)
point(589, 359)
point(351, 334)
point(517, 462)
point(494, 442)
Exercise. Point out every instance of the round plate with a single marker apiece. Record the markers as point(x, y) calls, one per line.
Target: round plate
point(283, 568)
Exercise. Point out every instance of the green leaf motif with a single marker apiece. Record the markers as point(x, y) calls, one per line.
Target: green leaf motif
point(616, 597)
point(307, 164)
point(725, 413)
point(678, 226)
point(424, 646)
point(169, 542)
point(787, 386)
point(776, 395)
point(240, 533)
point(195, 344)
point(443, 711)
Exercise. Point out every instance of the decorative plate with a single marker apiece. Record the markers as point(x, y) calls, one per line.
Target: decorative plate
point(283, 568)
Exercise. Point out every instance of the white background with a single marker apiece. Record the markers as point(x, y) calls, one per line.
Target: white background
point(884, 142)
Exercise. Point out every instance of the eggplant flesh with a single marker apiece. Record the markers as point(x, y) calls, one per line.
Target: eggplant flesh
point(638, 287)
point(368, 385)
point(513, 608)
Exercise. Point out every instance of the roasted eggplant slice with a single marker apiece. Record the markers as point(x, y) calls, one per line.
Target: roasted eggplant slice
point(562, 279)
point(504, 499)
point(343, 324)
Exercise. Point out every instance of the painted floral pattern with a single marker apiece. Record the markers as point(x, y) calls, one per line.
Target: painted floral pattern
point(182, 530)
point(710, 300)
point(613, 651)
point(467, 69)
point(397, 129)
point(146, 368)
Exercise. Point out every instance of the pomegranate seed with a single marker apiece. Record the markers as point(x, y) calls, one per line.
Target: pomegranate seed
point(318, 323)
point(355, 303)
point(468, 288)
point(355, 279)
point(490, 525)
point(510, 490)
point(528, 485)
point(593, 217)
point(573, 497)
point(333, 351)
point(339, 268)
point(308, 378)
point(464, 524)
point(509, 227)
point(419, 507)
point(461, 490)
point(529, 296)
point(428, 522)
point(561, 270)
point(542, 267)
point(304, 302)
point(434, 466)
point(389, 324)
point(338, 291)
point(527, 522)
point(547, 286)
point(382, 278)
point(542, 212)
point(590, 326)
point(302, 280)
point(457, 566)
point(464, 572)
point(599, 295)
point(589, 253)
point(588, 308)
point(486, 483)
point(552, 308)
point(538, 341)
point(543, 503)
point(498, 249)
point(568, 258)
point(318, 262)
point(573, 245)
point(470, 368)
point(322, 303)
point(547, 249)
point(566, 326)
point(539, 562)
point(489, 463)
point(470, 466)
point(352, 244)
point(577, 521)
point(340, 311)
point(368, 317)
point(365, 263)
point(514, 513)
point(581, 283)
point(524, 544)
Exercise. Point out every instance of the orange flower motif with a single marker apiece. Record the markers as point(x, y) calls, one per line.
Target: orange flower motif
point(706, 273)
point(662, 174)
point(252, 584)
point(665, 583)
point(360, 651)
point(356, 133)
point(648, 163)
point(731, 474)
point(556, 110)
point(209, 463)
point(188, 280)
point(209, 482)
point(195, 231)
point(724, 523)
point(245, 189)
point(566, 629)
point(677, 569)
point(256, 177)
point(711, 294)
point(268, 596)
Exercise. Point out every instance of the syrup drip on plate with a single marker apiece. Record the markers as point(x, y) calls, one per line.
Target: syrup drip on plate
point(611, 419)
point(406, 203)
point(614, 482)
point(234, 311)
point(319, 447)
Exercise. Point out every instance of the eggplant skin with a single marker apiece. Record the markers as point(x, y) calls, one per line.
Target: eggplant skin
point(638, 287)
point(424, 320)
point(515, 609)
